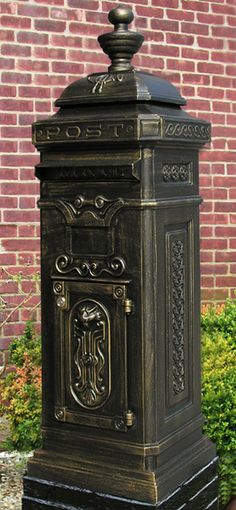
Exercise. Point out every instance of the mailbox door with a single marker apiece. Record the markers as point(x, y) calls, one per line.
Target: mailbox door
point(91, 354)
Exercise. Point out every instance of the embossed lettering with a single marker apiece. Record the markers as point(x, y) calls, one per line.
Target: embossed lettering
point(115, 128)
point(52, 132)
point(93, 131)
point(73, 132)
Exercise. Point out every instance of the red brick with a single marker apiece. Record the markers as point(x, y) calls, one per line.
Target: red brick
point(222, 81)
point(232, 45)
point(7, 63)
point(69, 41)
point(27, 174)
point(197, 79)
point(27, 203)
point(180, 39)
point(16, 78)
point(7, 202)
point(230, 169)
point(84, 4)
point(84, 56)
point(195, 6)
point(206, 256)
point(204, 67)
point(223, 56)
point(8, 146)
point(182, 65)
point(180, 14)
point(19, 160)
point(26, 146)
point(226, 281)
point(163, 3)
point(232, 218)
point(214, 244)
point(32, 10)
point(7, 35)
point(225, 256)
point(142, 10)
point(49, 53)
point(225, 231)
point(231, 70)
point(8, 7)
point(20, 217)
point(20, 188)
point(211, 19)
point(208, 42)
point(15, 22)
point(207, 281)
point(199, 104)
point(214, 295)
point(16, 132)
point(84, 30)
point(210, 269)
point(213, 219)
point(16, 105)
point(149, 61)
point(7, 91)
point(210, 92)
point(7, 258)
point(195, 54)
point(224, 32)
point(8, 230)
point(65, 67)
point(13, 329)
point(206, 231)
point(32, 38)
point(194, 28)
point(46, 25)
point(220, 106)
point(32, 65)
point(9, 174)
point(170, 51)
point(26, 231)
point(166, 25)
point(223, 8)
point(34, 92)
point(16, 50)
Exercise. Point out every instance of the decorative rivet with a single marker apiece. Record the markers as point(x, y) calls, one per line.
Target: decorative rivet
point(61, 301)
point(58, 287)
point(119, 423)
point(59, 414)
point(99, 202)
point(119, 292)
point(79, 202)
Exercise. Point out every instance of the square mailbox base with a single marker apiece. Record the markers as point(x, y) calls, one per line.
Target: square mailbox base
point(197, 493)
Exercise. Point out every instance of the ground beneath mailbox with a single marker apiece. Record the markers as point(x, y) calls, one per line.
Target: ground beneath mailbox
point(12, 468)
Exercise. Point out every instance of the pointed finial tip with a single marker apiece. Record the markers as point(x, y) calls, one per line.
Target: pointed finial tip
point(121, 14)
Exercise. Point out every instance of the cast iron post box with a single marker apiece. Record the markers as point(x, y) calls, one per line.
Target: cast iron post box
point(122, 425)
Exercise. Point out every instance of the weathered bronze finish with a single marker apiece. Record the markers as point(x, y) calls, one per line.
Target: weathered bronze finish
point(122, 425)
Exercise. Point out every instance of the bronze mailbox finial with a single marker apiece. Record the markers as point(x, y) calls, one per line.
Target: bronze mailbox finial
point(121, 44)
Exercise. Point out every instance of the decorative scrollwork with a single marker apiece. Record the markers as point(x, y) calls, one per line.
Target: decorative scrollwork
point(114, 266)
point(101, 80)
point(178, 286)
point(177, 172)
point(187, 130)
point(90, 357)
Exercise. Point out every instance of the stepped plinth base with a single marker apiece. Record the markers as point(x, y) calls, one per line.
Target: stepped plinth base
point(197, 493)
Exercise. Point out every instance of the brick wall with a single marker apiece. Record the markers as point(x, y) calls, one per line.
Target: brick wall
point(46, 44)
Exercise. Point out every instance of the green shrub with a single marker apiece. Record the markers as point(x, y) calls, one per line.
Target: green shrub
point(219, 402)
point(21, 392)
point(220, 318)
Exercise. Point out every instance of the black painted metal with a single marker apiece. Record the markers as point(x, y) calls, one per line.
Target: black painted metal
point(120, 297)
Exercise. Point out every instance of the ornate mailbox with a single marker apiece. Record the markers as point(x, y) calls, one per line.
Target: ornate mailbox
point(120, 295)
